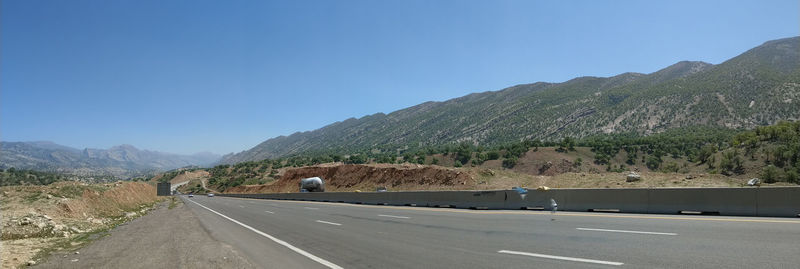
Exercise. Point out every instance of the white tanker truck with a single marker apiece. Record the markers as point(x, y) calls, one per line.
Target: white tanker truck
point(312, 184)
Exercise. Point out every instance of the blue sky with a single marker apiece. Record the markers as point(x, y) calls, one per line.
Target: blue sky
point(222, 76)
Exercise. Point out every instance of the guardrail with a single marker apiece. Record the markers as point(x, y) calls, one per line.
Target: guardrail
point(752, 201)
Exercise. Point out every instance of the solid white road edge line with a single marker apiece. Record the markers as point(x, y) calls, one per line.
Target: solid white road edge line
point(559, 257)
point(276, 240)
point(269, 212)
point(390, 216)
point(624, 231)
point(331, 223)
point(313, 208)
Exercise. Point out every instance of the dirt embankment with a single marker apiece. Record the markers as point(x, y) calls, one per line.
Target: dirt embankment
point(41, 217)
point(350, 177)
point(189, 176)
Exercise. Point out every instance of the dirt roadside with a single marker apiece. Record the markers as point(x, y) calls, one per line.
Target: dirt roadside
point(164, 238)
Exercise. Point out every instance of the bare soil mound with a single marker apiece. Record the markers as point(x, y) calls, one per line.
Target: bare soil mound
point(39, 217)
point(188, 176)
point(350, 177)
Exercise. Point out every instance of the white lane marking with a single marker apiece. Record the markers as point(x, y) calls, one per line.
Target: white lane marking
point(269, 212)
point(331, 223)
point(390, 216)
point(624, 231)
point(559, 257)
point(241, 206)
point(313, 208)
point(276, 240)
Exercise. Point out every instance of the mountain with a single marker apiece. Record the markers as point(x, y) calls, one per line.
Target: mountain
point(119, 161)
point(759, 87)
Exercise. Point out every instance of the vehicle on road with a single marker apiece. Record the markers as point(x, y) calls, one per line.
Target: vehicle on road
point(191, 195)
point(312, 184)
point(210, 195)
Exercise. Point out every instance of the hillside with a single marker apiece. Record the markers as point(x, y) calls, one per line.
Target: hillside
point(122, 161)
point(680, 157)
point(758, 87)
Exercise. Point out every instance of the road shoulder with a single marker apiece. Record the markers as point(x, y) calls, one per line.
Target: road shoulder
point(164, 238)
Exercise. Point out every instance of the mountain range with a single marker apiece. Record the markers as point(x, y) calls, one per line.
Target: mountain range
point(121, 161)
point(758, 87)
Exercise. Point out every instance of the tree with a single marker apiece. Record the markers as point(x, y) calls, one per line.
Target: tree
point(510, 162)
point(568, 143)
point(653, 162)
point(706, 152)
point(792, 176)
point(770, 174)
point(357, 159)
point(670, 167)
point(601, 158)
point(731, 163)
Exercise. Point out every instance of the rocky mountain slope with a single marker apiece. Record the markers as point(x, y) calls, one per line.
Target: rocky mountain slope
point(119, 161)
point(758, 87)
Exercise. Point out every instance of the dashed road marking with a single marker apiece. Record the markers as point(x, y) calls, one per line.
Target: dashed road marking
point(560, 213)
point(397, 217)
point(624, 231)
point(563, 258)
point(276, 240)
point(328, 222)
point(269, 212)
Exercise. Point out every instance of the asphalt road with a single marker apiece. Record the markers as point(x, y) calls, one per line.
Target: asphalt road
point(295, 234)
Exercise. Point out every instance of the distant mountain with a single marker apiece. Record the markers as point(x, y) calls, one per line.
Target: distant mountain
point(758, 87)
point(120, 161)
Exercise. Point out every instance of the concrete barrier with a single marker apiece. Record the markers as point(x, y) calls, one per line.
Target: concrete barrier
point(751, 201)
point(612, 200)
point(718, 201)
point(778, 202)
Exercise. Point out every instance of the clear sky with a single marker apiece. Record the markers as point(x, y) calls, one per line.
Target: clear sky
point(186, 76)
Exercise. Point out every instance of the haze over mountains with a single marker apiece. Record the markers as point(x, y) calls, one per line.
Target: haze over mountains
point(120, 161)
point(759, 87)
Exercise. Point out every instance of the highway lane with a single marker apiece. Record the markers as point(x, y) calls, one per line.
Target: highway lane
point(361, 236)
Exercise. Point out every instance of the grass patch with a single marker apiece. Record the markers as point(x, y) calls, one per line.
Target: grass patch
point(33, 197)
point(42, 233)
point(74, 191)
point(81, 240)
point(173, 203)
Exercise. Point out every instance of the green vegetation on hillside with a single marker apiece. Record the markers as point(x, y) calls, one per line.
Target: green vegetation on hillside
point(12, 176)
point(771, 151)
point(248, 173)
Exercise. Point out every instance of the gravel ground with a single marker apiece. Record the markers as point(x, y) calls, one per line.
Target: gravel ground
point(164, 238)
